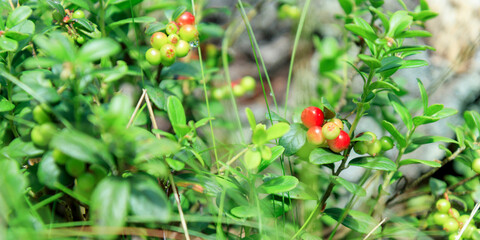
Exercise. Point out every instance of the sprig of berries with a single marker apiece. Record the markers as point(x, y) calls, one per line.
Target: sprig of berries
point(174, 42)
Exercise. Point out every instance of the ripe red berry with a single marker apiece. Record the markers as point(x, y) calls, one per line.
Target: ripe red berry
point(186, 18)
point(340, 143)
point(315, 136)
point(330, 130)
point(312, 116)
point(66, 19)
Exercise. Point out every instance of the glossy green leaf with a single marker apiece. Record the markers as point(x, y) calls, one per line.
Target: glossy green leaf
point(49, 173)
point(395, 133)
point(390, 63)
point(437, 186)
point(323, 156)
point(424, 95)
point(18, 15)
point(472, 119)
point(277, 130)
point(432, 109)
point(154, 27)
point(251, 118)
point(351, 187)
point(376, 163)
point(383, 85)
point(176, 115)
point(460, 137)
point(413, 34)
point(84, 23)
point(415, 161)
point(355, 220)
point(363, 138)
point(370, 61)
point(445, 112)
point(432, 139)
point(401, 110)
point(57, 6)
point(5, 105)
point(406, 49)
point(21, 31)
point(147, 201)
point(277, 151)
point(142, 19)
point(97, 48)
point(421, 120)
point(399, 21)
point(279, 185)
point(178, 12)
point(423, 15)
point(382, 17)
point(294, 139)
point(109, 202)
point(7, 44)
point(414, 63)
point(347, 5)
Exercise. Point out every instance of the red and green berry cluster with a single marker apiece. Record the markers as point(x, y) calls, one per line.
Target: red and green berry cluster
point(239, 88)
point(68, 21)
point(373, 146)
point(451, 221)
point(174, 42)
point(324, 133)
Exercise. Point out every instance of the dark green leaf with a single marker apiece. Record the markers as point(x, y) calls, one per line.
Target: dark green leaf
point(18, 150)
point(432, 139)
point(323, 156)
point(294, 139)
point(395, 133)
point(18, 15)
point(362, 29)
point(109, 206)
point(351, 187)
point(377, 163)
point(425, 162)
point(21, 31)
point(437, 187)
point(147, 201)
point(57, 6)
point(370, 61)
point(176, 114)
point(143, 19)
point(355, 220)
point(178, 12)
point(414, 63)
point(390, 63)
point(84, 23)
point(49, 173)
point(279, 184)
point(97, 48)
point(401, 110)
point(154, 27)
point(383, 85)
point(157, 96)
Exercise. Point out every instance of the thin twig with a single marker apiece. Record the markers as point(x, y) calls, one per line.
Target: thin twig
point(374, 229)
point(137, 108)
point(465, 225)
point(152, 116)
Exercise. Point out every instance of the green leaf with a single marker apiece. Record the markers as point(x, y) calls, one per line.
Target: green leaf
point(49, 173)
point(294, 139)
point(377, 163)
point(252, 159)
point(178, 12)
point(203, 122)
point(279, 185)
point(277, 130)
point(323, 156)
point(362, 29)
point(395, 133)
point(421, 120)
point(251, 118)
point(244, 211)
point(347, 5)
point(399, 21)
point(406, 49)
point(438, 187)
point(425, 162)
point(424, 95)
point(351, 187)
point(85, 4)
point(175, 164)
point(143, 19)
point(7, 44)
point(275, 117)
point(363, 138)
point(383, 85)
point(472, 119)
point(383, 18)
point(301, 191)
point(57, 46)
point(370, 61)
point(154, 27)
point(176, 114)
point(432, 139)
point(97, 48)
point(109, 202)
point(57, 6)
point(414, 63)
point(445, 112)
point(355, 220)
point(18, 15)
point(423, 15)
point(259, 136)
point(414, 33)
point(390, 63)
point(5, 105)
point(460, 137)
point(432, 109)
point(401, 110)
point(277, 151)
point(147, 201)
point(21, 31)
point(83, 147)
point(84, 23)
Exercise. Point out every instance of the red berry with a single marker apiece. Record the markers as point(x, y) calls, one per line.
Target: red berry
point(188, 33)
point(315, 136)
point(330, 130)
point(312, 116)
point(186, 19)
point(66, 19)
point(340, 143)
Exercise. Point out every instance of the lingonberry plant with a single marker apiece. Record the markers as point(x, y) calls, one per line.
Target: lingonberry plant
point(120, 119)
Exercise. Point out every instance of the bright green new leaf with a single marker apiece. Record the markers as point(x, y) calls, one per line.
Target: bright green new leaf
point(18, 15)
point(279, 185)
point(277, 130)
point(251, 118)
point(425, 162)
point(5, 105)
point(7, 44)
point(98, 48)
point(252, 159)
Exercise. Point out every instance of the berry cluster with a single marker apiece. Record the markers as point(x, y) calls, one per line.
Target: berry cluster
point(239, 88)
point(324, 134)
point(42, 134)
point(174, 42)
point(374, 146)
point(451, 220)
point(68, 21)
